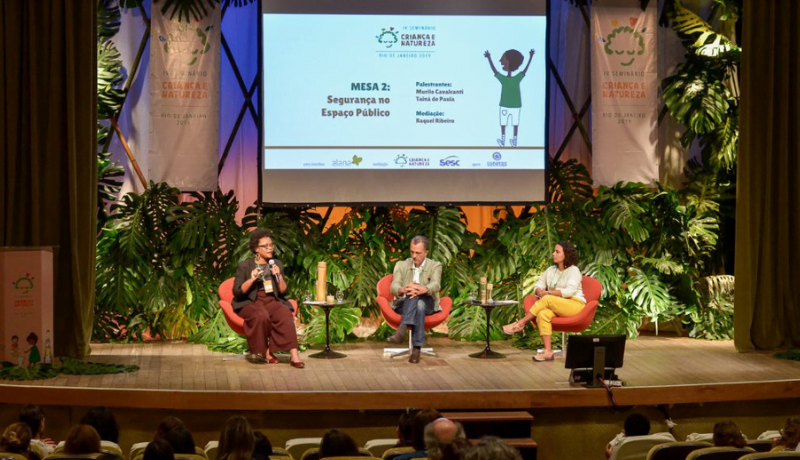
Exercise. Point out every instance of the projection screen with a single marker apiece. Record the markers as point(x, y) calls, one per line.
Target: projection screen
point(413, 102)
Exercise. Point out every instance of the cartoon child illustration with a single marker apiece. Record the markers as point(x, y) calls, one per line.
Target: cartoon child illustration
point(33, 352)
point(48, 350)
point(15, 356)
point(510, 95)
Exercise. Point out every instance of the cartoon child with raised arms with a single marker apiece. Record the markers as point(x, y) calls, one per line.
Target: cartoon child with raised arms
point(510, 94)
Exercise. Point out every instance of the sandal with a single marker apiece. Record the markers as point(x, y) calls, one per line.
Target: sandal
point(513, 328)
point(542, 357)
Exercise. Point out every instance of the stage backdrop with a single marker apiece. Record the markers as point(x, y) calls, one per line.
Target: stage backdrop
point(184, 100)
point(624, 92)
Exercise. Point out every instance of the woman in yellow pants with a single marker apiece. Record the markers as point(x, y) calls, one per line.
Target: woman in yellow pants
point(560, 294)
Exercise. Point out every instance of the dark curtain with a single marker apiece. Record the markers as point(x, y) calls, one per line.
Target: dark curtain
point(47, 140)
point(767, 305)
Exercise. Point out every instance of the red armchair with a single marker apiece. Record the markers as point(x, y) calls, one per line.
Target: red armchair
point(578, 323)
point(226, 297)
point(393, 319)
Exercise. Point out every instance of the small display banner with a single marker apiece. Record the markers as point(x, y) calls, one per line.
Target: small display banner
point(26, 319)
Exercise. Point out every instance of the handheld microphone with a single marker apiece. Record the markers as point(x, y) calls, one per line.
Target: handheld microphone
point(271, 263)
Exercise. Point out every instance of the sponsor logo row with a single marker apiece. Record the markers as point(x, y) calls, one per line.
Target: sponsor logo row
point(402, 160)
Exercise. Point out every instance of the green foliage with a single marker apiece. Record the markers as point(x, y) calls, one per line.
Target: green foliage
point(69, 366)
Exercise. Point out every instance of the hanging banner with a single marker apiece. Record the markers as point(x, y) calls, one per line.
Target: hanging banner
point(184, 100)
point(624, 92)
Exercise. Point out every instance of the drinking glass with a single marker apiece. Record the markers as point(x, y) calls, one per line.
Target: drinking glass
point(339, 296)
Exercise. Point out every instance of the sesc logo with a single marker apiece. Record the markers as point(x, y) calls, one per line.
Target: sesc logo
point(450, 161)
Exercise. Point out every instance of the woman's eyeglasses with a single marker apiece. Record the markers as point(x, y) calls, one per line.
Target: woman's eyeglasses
point(267, 246)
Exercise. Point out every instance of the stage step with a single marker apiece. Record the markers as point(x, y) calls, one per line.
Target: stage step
point(514, 427)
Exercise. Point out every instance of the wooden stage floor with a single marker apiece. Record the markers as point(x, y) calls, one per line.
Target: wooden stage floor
point(657, 370)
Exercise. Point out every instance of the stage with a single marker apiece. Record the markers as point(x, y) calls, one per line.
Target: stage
point(657, 370)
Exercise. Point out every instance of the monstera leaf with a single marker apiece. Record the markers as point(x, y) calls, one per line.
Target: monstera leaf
point(342, 322)
point(569, 182)
point(703, 39)
point(109, 78)
point(721, 145)
point(648, 292)
point(625, 207)
point(108, 19)
point(697, 98)
point(443, 226)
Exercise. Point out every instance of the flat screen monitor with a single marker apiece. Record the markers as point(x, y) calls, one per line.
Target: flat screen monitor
point(581, 349)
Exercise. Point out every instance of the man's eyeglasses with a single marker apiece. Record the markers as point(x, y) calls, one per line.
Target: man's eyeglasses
point(266, 246)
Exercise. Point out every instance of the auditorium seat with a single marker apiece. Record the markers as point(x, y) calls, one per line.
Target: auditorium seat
point(637, 447)
point(106, 447)
point(760, 446)
point(771, 455)
point(137, 450)
point(592, 289)
point(65, 456)
point(700, 437)
point(390, 454)
point(355, 458)
point(297, 446)
point(235, 322)
point(769, 435)
point(719, 453)
point(211, 448)
point(385, 299)
point(10, 456)
point(313, 454)
point(675, 450)
point(378, 446)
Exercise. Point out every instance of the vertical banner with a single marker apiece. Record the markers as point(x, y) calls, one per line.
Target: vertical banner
point(184, 100)
point(26, 316)
point(624, 92)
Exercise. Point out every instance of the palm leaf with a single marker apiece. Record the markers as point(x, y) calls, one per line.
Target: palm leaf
point(187, 9)
point(467, 323)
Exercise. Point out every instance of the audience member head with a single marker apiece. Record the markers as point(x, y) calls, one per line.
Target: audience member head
point(236, 440)
point(491, 448)
point(167, 423)
point(455, 450)
point(181, 440)
point(790, 434)
point(727, 434)
point(637, 425)
point(82, 439)
point(158, 449)
point(262, 448)
point(104, 422)
point(421, 420)
point(33, 416)
point(404, 427)
point(16, 439)
point(337, 443)
point(439, 434)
